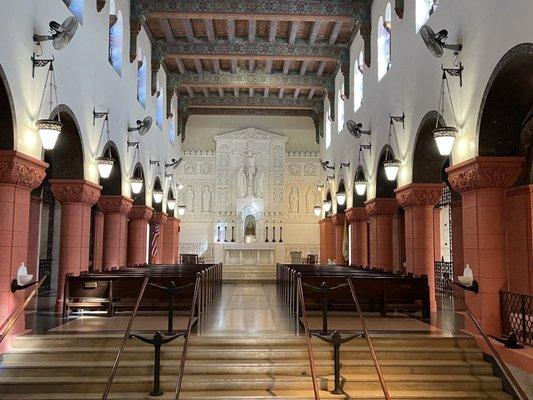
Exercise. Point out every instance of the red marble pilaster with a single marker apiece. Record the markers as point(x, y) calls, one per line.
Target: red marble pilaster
point(381, 212)
point(357, 218)
point(19, 175)
point(482, 182)
point(33, 236)
point(338, 233)
point(171, 241)
point(76, 196)
point(419, 200)
point(98, 244)
point(159, 218)
point(139, 217)
point(115, 209)
point(326, 240)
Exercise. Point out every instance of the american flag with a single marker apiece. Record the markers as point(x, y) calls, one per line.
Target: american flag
point(153, 246)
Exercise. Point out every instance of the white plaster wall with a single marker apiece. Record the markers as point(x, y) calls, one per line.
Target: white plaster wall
point(487, 29)
point(85, 79)
point(201, 129)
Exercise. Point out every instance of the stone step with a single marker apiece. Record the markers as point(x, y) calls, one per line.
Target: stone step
point(285, 367)
point(245, 382)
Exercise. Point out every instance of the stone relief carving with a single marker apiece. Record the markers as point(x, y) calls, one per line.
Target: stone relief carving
point(206, 168)
point(206, 199)
point(310, 199)
point(189, 199)
point(310, 169)
point(189, 168)
point(294, 169)
point(294, 207)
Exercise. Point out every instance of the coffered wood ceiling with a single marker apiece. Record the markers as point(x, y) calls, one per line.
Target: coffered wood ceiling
point(252, 57)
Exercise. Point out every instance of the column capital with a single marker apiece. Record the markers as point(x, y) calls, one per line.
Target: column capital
point(356, 214)
point(419, 194)
point(141, 213)
point(75, 191)
point(485, 173)
point(22, 170)
point(115, 204)
point(381, 206)
point(338, 219)
point(159, 218)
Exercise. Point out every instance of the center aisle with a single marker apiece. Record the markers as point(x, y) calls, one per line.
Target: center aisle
point(247, 309)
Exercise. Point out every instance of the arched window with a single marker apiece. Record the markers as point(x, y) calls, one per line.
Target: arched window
point(327, 128)
point(141, 79)
point(358, 82)
point(159, 108)
point(340, 109)
point(424, 9)
point(172, 129)
point(384, 43)
point(116, 35)
point(76, 8)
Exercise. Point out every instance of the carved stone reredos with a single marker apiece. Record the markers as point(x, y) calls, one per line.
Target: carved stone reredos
point(250, 134)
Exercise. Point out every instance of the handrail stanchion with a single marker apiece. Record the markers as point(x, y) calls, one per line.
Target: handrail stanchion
point(125, 338)
point(10, 321)
point(187, 336)
point(495, 353)
point(368, 340)
point(307, 336)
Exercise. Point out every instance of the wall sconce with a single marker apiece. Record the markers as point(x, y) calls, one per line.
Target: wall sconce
point(105, 164)
point(48, 128)
point(341, 194)
point(391, 165)
point(360, 182)
point(317, 210)
point(445, 135)
point(181, 210)
point(356, 129)
point(137, 180)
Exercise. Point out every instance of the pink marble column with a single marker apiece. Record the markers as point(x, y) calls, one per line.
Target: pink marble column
point(381, 212)
point(33, 235)
point(419, 200)
point(76, 196)
point(482, 182)
point(436, 234)
point(520, 239)
point(98, 244)
point(398, 241)
point(338, 233)
point(326, 240)
point(19, 175)
point(159, 218)
point(139, 217)
point(171, 241)
point(357, 218)
point(115, 209)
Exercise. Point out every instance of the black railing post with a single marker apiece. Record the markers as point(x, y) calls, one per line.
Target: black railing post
point(171, 290)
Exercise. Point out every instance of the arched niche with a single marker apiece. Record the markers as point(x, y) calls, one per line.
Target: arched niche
point(113, 184)
point(428, 163)
point(140, 198)
point(384, 187)
point(342, 186)
point(505, 123)
point(358, 200)
point(66, 159)
point(158, 207)
point(7, 113)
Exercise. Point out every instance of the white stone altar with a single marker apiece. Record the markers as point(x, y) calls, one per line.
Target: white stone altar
point(248, 184)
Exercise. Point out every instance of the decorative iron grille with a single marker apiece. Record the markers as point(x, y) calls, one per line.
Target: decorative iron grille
point(517, 315)
point(444, 277)
point(45, 264)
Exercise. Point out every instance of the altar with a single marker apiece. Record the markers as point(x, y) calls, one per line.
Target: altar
point(247, 253)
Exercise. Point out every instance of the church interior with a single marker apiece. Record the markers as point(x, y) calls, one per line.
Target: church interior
point(249, 200)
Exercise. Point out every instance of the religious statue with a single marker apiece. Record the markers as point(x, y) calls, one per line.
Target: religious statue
point(293, 201)
point(189, 199)
point(310, 200)
point(258, 184)
point(206, 199)
point(250, 229)
point(241, 182)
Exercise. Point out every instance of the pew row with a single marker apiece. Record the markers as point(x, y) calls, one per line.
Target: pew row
point(377, 291)
point(117, 291)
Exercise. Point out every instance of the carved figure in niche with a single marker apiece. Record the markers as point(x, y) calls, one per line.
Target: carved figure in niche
point(293, 201)
point(258, 184)
point(189, 199)
point(206, 200)
point(241, 182)
point(310, 200)
point(250, 171)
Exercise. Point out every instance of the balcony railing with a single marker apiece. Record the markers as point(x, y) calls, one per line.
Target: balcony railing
point(517, 315)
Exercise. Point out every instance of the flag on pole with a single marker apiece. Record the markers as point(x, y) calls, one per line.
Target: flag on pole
point(153, 245)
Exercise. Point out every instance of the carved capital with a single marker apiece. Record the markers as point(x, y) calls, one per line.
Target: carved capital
point(338, 219)
point(485, 173)
point(75, 191)
point(356, 214)
point(159, 218)
point(419, 194)
point(381, 206)
point(115, 204)
point(141, 212)
point(22, 170)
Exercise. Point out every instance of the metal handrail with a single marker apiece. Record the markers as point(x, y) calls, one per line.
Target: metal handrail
point(187, 336)
point(509, 375)
point(368, 340)
point(10, 321)
point(307, 336)
point(125, 338)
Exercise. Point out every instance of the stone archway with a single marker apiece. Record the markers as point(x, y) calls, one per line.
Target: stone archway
point(384, 187)
point(7, 115)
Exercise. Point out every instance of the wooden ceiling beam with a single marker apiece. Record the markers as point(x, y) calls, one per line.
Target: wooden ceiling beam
point(210, 31)
point(167, 30)
point(181, 66)
point(295, 26)
point(334, 33)
point(187, 27)
point(314, 32)
point(251, 30)
point(230, 26)
point(272, 31)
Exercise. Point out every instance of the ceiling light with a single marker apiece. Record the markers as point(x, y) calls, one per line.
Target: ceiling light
point(445, 137)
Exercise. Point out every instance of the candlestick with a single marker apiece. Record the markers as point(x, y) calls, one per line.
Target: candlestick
point(273, 234)
point(266, 240)
point(225, 233)
point(281, 234)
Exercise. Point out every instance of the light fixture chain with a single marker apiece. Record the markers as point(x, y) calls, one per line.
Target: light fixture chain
point(44, 94)
point(451, 102)
point(440, 107)
point(55, 92)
